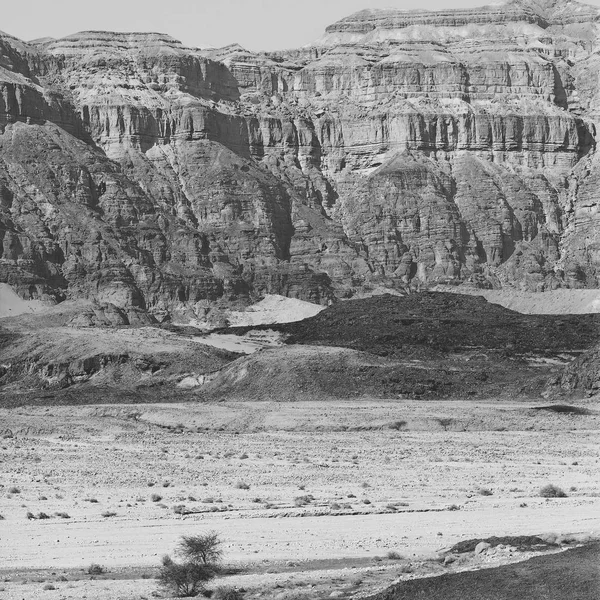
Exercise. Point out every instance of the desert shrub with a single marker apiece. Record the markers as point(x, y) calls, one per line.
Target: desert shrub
point(453, 507)
point(30, 515)
point(91, 500)
point(244, 456)
point(62, 515)
point(109, 513)
point(43, 515)
point(156, 497)
point(485, 492)
point(397, 425)
point(552, 491)
point(184, 579)
point(95, 569)
point(14, 490)
point(227, 593)
point(203, 549)
point(366, 501)
point(393, 555)
point(1, 517)
point(49, 587)
point(209, 500)
point(166, 484)
point(335, 506)
point(242, 485)
point(364, 485)
point(303, 500)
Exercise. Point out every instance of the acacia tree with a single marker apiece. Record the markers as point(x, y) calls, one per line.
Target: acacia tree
point(184, 579)
point(204, 549)
point(202, 555)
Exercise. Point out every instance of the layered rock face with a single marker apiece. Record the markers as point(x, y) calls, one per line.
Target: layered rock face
point(402, 148)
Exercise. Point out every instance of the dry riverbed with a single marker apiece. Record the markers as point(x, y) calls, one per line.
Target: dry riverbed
point(308, 496)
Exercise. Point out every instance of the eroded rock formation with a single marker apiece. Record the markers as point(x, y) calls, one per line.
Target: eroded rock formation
point(400, 148)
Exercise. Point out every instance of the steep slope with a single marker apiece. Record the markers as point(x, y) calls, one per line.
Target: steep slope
point(402, 148)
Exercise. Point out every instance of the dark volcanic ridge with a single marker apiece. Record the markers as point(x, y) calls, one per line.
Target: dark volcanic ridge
point(424, 345)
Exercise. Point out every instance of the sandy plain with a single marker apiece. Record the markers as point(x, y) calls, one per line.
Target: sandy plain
point(306, 495)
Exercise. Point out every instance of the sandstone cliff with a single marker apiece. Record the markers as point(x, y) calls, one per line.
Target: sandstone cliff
point(402, 148)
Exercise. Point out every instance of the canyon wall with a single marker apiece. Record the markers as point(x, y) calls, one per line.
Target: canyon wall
point(402, 148)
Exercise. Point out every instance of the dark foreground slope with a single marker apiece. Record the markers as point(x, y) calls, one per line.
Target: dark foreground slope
point(573, 575)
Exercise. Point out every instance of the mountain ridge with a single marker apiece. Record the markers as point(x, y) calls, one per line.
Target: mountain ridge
point(403, 156)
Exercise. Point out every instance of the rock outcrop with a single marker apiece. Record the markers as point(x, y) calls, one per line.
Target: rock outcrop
point(402, 148)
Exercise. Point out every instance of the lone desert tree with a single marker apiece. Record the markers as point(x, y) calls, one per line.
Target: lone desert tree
point(184, 579)
point(202, 549)
point(201, 555)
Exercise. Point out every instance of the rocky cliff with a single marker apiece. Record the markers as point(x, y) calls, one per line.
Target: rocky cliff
point(402, 148)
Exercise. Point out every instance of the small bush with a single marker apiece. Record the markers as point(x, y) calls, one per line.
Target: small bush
point(49, 587)
point(95, 569)
point(14, 490)
point(303, 500)
point(156, 497)
point(43, 515)
point(485, 492)
point(91, 500)
point(30, 515)
point(552, 491)
point(393, 555)
point(242, 485)
point(63, 515)
point(109, 513)
point(227, 593)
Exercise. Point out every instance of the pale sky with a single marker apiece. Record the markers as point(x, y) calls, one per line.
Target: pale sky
point(255, 24)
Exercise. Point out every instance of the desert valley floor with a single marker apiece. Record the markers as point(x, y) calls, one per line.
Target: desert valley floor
point(333, 488)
